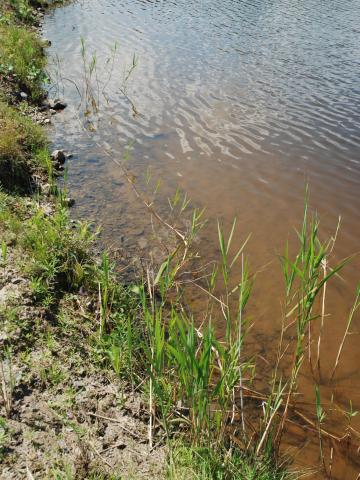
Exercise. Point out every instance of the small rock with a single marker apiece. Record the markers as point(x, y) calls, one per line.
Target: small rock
point(47, 121)
point(46, 42)
point(69, 202)
point(57, 104)
point(46, 188)
point(58, 156)
point(52, 111)
point(23, 95)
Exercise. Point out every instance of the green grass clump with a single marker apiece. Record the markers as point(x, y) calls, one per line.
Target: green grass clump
point(58, 254)
point(206, 464)
point(22, 148)
point(22, 59)
point(22, 10)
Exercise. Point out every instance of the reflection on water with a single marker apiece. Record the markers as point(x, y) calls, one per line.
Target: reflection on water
point(239, 103)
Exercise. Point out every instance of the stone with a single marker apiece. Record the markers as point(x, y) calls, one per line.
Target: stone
point(58, 156)
point(69, 202)
point(57, 104)
point(46, 188)
point(23, 95)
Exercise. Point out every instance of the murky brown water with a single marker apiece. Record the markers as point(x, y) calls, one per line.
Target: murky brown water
point(240, 102)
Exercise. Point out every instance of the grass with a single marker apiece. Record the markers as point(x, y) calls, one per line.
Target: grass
point(23, 149)
point(22, 59)
point(56, 251)
point(196, 464)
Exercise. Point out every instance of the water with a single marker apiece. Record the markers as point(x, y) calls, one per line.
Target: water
point(239, 104)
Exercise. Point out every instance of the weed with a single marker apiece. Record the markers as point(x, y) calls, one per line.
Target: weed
point(58, 254)
point(202, 463)
point(52, 374)
point(22, 146)
point(22, 59)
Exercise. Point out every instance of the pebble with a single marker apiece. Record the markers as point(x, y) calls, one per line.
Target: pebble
point(46, 188)
point(58, 156)
point(57, 104)
point(69, 202)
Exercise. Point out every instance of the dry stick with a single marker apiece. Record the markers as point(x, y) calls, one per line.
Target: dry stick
point(355, 306)
point(324, 265)
point(313, 425)
point(267, 429)
point(331, 461)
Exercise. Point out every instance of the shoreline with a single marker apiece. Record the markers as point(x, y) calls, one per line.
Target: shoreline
point(58, 391)
point(101, 380)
